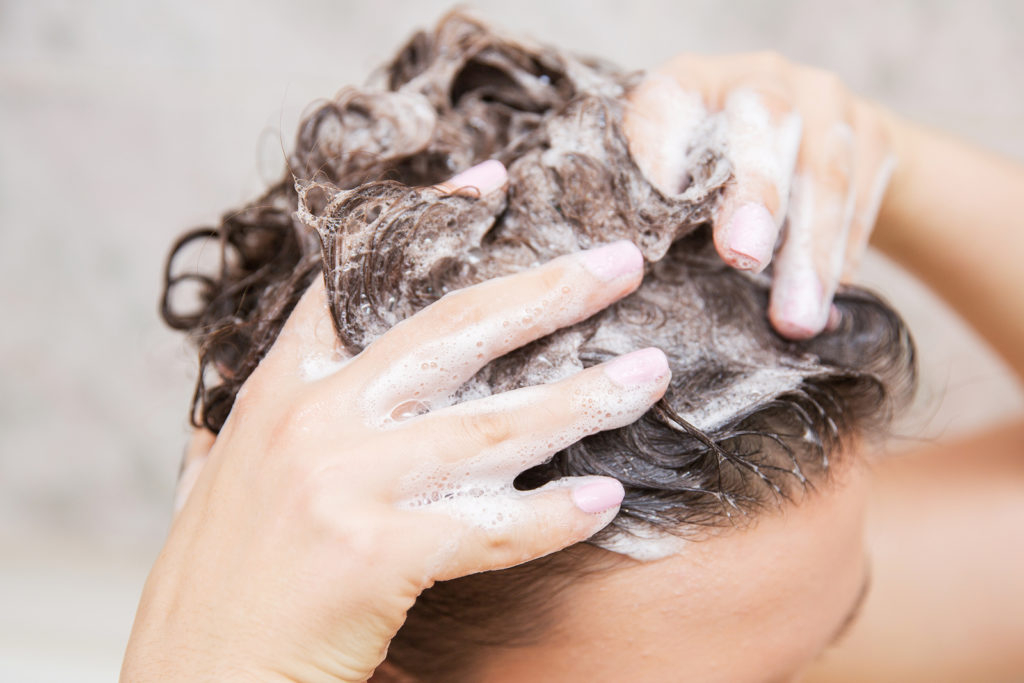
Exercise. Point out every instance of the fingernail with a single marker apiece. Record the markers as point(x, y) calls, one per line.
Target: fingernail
point(834, 318)
point(638, 367)
point(751, 236)
point(613, 260)
point(485, 177)
point(599, 495)
point(801, 313)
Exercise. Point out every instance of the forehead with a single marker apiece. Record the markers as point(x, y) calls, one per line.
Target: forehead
point(750, 605)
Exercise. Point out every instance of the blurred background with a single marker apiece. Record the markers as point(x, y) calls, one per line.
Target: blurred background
point(122, 123)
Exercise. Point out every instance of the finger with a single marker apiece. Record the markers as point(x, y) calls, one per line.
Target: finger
point(875, 165)
point(484, 178)
point(520, 526)
point(196, 453)
point(763, 134)
point(307, 348)
point(661, 118)
point(431, 354)
point(810, 260)
point(502, 435)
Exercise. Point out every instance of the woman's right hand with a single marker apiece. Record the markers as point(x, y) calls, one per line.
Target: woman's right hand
point(327, 504)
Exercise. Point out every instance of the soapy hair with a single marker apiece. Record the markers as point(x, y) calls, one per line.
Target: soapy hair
point(749, 419)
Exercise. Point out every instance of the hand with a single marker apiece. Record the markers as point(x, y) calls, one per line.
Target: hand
point(804, 151)
point(326, 505)
point(485, 177)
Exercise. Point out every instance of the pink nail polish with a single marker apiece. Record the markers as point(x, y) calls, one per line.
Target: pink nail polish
point(751, 236)
point(801, 313)
point(613, 260)
point(834, 318)
point(598, 496)
point(638, 367)
point(485, 177)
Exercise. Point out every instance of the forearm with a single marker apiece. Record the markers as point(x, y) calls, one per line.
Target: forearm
point(952, 216)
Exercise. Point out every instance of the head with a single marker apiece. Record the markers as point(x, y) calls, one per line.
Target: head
point(741, 526)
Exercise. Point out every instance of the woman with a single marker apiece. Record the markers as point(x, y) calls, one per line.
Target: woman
point(298, 552)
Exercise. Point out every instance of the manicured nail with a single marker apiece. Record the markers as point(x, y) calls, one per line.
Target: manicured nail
point(751, 236)
point(834, 318)
point(801, 311)
point(599, 495)
point(484, 178)
point(638, 367)
point(614, 260)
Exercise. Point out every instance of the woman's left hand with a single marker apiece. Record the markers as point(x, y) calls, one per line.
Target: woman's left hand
point(806, 154)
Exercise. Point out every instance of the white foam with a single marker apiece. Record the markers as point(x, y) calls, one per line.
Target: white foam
point(436, 369)
point(760, 385)
point(812, 210)
point(759, 144)
point(762, 377)
point(662, 131)
point(317, 365)
point(478, 490)
point(643, 543)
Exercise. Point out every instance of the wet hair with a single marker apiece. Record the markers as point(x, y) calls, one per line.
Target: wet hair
point(750, 418)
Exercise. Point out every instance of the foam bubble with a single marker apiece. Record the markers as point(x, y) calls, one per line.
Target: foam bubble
point(643, 543)
point(759, 144)
point(439, 367)
point(662, 132)
point(318, 364)
point(478, 490)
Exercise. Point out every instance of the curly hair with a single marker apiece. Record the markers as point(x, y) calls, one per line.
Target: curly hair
point(749, 419)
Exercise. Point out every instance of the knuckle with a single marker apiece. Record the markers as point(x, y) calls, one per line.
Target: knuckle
point(833, 176)
point(774, 97)
point(683, 63)
point(350, 534)
point(826, 84)
point(499, 543)
point(292, 422)
point(770, 61)
point(550, 279)
point(452, 311)
point(352, 524)
point(831, 172)
point(509, 546)
point(870, 127)
point(488, 429)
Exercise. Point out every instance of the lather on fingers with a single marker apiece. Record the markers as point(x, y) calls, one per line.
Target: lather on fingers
point(307, 347)
point(825, 203)
point(437, 350)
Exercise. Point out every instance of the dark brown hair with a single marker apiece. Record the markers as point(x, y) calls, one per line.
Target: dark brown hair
point(749, 418)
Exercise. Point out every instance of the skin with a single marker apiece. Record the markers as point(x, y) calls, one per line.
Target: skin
point(266, 574)
point(944, 535)
point(941, 527)
point(824, 184)
point(782, 589)
point(305, 494)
